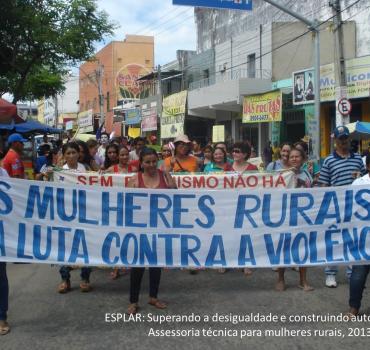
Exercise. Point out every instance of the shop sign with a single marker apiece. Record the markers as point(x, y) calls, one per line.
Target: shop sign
point(263, 107)
point(69, 125)
point(357, 75)
point(149, 117)
point(85, 121)
point(132, 116)
point(173, 115)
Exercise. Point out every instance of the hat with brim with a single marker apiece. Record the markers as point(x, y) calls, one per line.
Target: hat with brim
point(306, 139)
point(182, 138)
point(16, 138)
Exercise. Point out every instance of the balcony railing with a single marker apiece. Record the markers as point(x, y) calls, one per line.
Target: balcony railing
point(228, 75)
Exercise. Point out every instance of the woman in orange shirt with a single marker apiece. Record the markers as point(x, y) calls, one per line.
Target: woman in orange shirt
point(182, 161)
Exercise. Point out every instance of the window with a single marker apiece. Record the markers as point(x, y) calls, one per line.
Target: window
point(108, 104)
point(251, 65)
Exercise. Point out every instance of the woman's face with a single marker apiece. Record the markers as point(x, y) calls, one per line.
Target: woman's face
point(295, 159)
point(149, 163)
point(71, 156)
point(81, 154)
point(238, 155)
point(112, 154)
point(166, 152)
point(93, 150)
point(196, 147)
point(218, 156)
point(284, 153)
point(123, 156)
point(207, 154)
point(182, 148)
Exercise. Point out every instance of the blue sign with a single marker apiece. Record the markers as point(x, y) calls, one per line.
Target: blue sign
point(225, 4)
point(132, 116)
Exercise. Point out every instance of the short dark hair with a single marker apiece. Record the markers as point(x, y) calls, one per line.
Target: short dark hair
point(303, 145)
point(70, 144)
point(244, 147)
point(146, 151)
point(139, 139)
point(107, 161)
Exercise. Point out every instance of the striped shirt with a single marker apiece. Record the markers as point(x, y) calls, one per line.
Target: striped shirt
point(338, 171)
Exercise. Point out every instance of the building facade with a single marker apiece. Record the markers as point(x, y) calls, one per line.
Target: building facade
point(110, 78)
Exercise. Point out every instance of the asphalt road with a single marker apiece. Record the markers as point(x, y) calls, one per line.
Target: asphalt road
point(43, 319)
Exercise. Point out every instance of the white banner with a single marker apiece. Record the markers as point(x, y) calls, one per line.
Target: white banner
point(250, 180)
point(43, 222)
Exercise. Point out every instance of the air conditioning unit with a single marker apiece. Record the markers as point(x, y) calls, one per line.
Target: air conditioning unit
point(222, 67)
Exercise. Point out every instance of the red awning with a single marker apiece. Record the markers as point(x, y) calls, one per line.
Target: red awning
point(8, 112)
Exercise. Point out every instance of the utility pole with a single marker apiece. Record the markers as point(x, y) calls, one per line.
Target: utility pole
point(160, 98)
point(340, 66)
point(99, 78)
point(56, 113)
point(314, 27)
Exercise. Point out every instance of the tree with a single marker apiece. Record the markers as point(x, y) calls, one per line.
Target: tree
point(40, 39)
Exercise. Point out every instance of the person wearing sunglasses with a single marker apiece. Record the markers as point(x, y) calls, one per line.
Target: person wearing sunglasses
point(241, 152)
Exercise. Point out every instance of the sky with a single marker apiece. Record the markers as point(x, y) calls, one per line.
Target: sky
point(172, 26)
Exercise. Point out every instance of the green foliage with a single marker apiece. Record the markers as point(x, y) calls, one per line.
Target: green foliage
point(41, 38)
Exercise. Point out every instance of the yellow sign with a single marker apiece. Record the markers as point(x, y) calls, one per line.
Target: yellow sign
point(218, 133)
point(263, 108)
point(134, 132)
point(173, 115)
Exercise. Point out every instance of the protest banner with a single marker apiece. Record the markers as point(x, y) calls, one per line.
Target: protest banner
point(54, 223)
point(250, 180)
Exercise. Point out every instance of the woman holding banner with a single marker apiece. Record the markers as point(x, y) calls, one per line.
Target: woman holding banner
point(283, 162)
point(297, 158)
point(71, 153)
point(241, 152)
point(219, 162)
point(148, 177)
point(111, 156)
point(124, 166)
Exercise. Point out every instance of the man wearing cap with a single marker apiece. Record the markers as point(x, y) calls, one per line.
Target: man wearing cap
point(340, 168)
point(12, 162)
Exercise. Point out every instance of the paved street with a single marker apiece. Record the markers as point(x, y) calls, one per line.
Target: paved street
point(43, 319)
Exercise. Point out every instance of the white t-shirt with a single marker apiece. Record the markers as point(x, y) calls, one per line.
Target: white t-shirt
point(364, 180)
point(133, 155)
point(80, 167)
